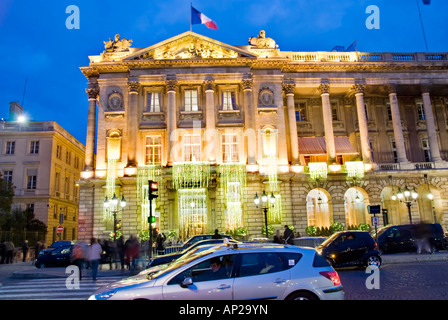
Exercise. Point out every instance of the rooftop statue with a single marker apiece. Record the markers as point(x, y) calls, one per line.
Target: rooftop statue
point(118, 44)
point(262, 42)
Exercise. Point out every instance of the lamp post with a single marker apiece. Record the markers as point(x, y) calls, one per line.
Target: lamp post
point(407, 196)
point(265, 202)
point(111, 205)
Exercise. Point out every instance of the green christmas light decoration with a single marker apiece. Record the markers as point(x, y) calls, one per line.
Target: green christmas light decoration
point(355, 169)
point(318, 170)
point(191, 179)
point(110, 187)
point(233, 183)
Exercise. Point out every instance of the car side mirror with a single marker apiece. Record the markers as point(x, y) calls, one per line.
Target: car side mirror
point(187, 282)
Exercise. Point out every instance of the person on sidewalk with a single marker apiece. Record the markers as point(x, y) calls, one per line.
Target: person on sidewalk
point(25, 249)
point(9, 246)
point(78, 256)
point(288, 235)
point(94, 257)
point(216, 235)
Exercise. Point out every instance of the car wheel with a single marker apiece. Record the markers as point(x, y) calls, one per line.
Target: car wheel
point(41, 265)
point(301, 295)
point(373, 261)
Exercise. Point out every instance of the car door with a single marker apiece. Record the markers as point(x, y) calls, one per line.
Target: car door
point(254, 279)
point(206, 283)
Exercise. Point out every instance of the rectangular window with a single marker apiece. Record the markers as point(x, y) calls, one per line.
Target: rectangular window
point(228, 100)
point(426, 150)
point(57, 179)
point(192, 147)
point(153, 150)
point(389, 112)
point(230, 147)
point(153, 102)
point(31, 182)
point(68, 157)
point(7, 176)
point(334, 111)
point(394, 151)
point(34, 147)
point(30, 207)
point(420, 110)
point(301, 112)
point(191, 100)
point(59, 152)
point(10, 147)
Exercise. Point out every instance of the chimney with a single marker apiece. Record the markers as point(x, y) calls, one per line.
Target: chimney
point(15, 110)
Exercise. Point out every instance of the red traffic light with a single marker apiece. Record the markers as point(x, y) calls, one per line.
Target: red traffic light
point(153, 188)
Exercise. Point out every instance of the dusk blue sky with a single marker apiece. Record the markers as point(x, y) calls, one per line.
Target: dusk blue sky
point(37, 46)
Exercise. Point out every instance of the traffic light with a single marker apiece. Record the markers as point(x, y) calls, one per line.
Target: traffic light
point(152, 190)
point(151, 219)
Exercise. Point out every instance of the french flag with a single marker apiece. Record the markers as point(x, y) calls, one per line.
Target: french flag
point(200, 18)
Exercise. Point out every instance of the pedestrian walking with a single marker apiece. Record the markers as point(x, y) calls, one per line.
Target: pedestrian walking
point(120, 249)
point(25, 249)
point(78, 257)
point(94, 257)
point(288, 235)
point(277, 237)
point(37, 247)
point(160, 244)
point(2, 252)
point(9, 247)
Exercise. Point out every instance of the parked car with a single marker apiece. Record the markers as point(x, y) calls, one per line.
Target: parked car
point(350, 248)
point(267, 271)
point(58, 257)
point(167, 258)
point(311, 242)
point(401, 238)
point(56, 244)
point(201, 237)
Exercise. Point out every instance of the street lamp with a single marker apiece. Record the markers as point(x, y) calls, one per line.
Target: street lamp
point(265, 202)
point(407, 196)
point(111, 205)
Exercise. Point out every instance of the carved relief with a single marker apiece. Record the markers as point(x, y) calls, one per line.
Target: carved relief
point(115, 101)
point(134, 86)
point(117, 48)
point(266, 97)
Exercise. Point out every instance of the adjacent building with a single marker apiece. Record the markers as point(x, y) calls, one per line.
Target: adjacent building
point(43, 162)
point(325, 134)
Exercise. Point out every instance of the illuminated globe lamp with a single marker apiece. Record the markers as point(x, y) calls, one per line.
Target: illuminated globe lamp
point(266, 201)
point(112, 206)
point(407, 196)
point(335, 167)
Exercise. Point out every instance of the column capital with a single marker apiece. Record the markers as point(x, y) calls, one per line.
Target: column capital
point(288, 87)
point(93, 92)
point(324, 88)
point(134, 87)
point(171, 85)
point(209, 85)
point(248, 84)
point(425, 88)
point(358, 88)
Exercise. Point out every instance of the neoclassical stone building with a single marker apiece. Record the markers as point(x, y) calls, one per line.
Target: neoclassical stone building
point(326, 133)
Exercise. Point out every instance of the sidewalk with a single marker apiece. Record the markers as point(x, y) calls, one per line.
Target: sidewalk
point(25, 270)
point(414, 257)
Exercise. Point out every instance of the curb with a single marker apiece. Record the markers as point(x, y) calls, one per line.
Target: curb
point(406, 258)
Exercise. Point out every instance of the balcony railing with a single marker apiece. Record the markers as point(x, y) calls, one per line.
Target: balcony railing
point(367, 57)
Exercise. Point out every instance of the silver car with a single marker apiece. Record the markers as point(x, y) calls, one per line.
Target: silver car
point(255, 271)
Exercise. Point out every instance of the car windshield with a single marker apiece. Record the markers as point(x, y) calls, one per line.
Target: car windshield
point(181, 262)
point(329, 240)
point(380, 232)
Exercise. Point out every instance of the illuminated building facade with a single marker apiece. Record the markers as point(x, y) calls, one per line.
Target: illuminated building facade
point(327, 133)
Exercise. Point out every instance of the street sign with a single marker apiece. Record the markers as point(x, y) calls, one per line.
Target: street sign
point(375, 221)
point(60, 229)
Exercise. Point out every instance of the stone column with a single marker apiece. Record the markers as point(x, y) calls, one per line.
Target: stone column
point(396, 122)
point(132, 123)
point(328, 123)
point(210, 119)
point(430, 125)
point(249, 119)
point(171, 125)
point(362, 123)
point(293, 137)
point(92, 93)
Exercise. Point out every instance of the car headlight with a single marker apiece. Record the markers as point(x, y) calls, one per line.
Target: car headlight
point(103, 295)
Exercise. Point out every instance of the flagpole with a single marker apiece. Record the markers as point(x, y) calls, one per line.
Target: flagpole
point(421, 22)
point(191, 22)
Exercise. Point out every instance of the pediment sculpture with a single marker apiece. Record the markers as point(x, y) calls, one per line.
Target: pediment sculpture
point(196, 49)
point(261, 41)
point(118, 44)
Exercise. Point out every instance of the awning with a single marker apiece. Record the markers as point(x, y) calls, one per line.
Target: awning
point(317, 146)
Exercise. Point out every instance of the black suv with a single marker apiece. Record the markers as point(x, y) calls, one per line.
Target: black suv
point(350, 248)
point(401, 238)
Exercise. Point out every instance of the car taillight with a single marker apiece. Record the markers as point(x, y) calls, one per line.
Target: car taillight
point(331, 275)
